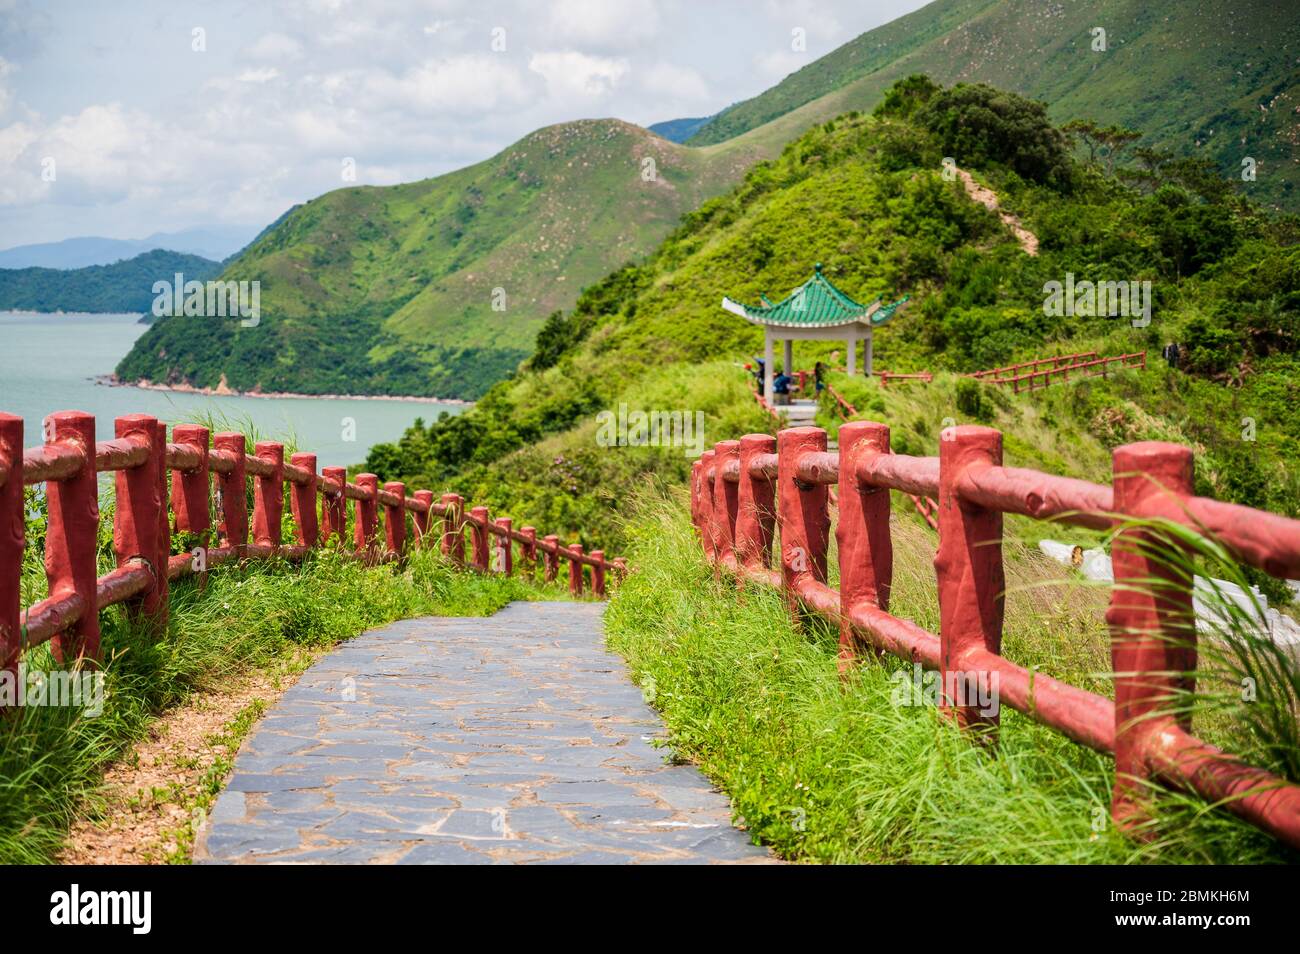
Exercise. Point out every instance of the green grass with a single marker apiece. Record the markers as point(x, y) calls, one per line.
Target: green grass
point(248, 616)
point(828, 772)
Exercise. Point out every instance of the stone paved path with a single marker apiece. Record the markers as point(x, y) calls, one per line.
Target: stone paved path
point(515, 738)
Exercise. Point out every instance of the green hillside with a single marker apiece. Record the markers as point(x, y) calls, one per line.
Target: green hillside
point(1218, 81)
point(125, 286)
point(865, 195)
point(437, 287)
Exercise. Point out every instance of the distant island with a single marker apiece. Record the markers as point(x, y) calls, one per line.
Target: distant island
point(122, 287)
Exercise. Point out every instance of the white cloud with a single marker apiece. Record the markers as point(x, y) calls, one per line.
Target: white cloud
point(577, 74)
point(460, 84)
point(6, 94)
point(277, 47)
point(264, 75)
point(778, 64)
point(680, 83)
point(620, 25)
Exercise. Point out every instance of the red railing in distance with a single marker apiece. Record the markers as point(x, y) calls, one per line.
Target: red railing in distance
point(1039, 373)
point(747, 493)
point(1091, 367)
point(887, 376)
point(149, 473)
point(1011, 370)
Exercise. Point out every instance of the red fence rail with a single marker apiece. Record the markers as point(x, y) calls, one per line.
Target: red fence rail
point(746, 493)
point(146, 466)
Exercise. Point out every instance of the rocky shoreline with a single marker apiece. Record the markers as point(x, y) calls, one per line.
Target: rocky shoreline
point(222, 390)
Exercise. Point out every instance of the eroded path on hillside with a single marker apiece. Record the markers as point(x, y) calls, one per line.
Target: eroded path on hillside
point(512, 739)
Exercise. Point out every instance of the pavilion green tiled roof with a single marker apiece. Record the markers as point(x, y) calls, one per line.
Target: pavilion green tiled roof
point(814, 304)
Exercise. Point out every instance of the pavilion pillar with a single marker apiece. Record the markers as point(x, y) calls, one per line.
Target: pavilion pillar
point(853, 353)
point(769, 359)
point(788, 364)
point(866, 353)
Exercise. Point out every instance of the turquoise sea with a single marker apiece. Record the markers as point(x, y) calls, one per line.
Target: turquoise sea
point(53, 363)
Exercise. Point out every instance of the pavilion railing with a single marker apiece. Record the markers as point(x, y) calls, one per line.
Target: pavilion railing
point(747, 494)
point(145, 466)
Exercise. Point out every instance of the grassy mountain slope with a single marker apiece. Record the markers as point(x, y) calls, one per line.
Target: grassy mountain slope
point(438, 286)
point(865, 195)
point(1198, 78)
point(124, 286)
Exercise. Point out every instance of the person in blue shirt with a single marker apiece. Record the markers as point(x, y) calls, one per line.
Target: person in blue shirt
point(781, 387)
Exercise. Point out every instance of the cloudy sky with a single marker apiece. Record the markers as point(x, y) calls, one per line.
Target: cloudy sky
point(126, 118)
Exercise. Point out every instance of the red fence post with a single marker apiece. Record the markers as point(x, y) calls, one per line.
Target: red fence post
point(725, 501)
point(970, 575)
point(755, 505)
point(453, 538)
point(802, 511)
point(551, 558)
point(528, 550)
point(575, 570)
point(707, 533)
point(598, 574)
point(478, 534)
point(302, 502)
point(12, 542)
point(504, 557)
point(395, 519)
point(421, 518)
point(268, 495)
point(190, 488)
point(335, 507)
point(71, 535)
point(1152, 623)
point(866, 551)
point(365, 535)
point(140, 526)
point(233, 492)
point(695, 494)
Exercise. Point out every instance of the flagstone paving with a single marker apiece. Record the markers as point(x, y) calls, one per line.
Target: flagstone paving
point(511, 739)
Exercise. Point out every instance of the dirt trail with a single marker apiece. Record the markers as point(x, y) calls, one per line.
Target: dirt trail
point(989, 199)
point(147, 807)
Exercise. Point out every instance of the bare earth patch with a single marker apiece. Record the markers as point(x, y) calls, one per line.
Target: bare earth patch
point(989, 199)
point(151, 800)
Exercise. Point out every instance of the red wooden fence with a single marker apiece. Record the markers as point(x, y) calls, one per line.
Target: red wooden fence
point(743, 492)
point(145, 464)
point(1086, 368)
point(1038, 373)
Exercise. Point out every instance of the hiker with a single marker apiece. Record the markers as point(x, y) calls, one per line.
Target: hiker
point(1171, 353)
point(819, 371)
point(759, 373)
point(781, 387)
